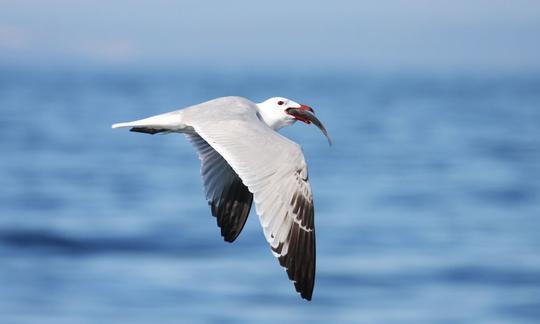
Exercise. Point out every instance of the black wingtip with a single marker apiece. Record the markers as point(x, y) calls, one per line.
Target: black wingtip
point(232, 209)
point(306, 297)
point(306, 293)
point(300, 259)
point(229, 237)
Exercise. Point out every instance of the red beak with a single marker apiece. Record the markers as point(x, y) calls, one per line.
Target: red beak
point(301, 116)
point(304, 107)
point(307, 115)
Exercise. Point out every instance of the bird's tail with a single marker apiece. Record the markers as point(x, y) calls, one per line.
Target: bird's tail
point(168, 122)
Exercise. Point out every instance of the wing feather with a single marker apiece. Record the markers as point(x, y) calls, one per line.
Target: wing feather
point(274, 170)
point(229, 199)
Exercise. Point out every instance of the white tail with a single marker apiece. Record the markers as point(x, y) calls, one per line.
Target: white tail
point(168, 121)
point(119, 125)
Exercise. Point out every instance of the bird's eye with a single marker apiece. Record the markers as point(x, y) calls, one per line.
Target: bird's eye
point(280, 102)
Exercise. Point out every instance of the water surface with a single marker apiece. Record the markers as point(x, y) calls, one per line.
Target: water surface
point(427, 205)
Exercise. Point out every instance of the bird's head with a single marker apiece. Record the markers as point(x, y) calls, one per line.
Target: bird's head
point(278, 112)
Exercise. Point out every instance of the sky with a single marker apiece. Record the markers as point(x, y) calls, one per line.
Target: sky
point(400, 34)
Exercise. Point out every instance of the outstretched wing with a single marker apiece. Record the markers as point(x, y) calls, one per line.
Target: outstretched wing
point(274, 170)
point(229, 199)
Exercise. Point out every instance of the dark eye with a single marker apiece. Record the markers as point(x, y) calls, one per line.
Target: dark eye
point(280, 102)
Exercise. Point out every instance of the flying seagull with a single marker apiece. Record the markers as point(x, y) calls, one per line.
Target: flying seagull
point(243, 159)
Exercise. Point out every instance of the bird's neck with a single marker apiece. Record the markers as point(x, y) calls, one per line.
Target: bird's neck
point(273, 120)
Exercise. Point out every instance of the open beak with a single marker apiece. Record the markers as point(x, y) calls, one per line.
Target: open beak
point(307, 115)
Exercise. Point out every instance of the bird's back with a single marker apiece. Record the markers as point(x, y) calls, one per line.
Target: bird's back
point(220, 109)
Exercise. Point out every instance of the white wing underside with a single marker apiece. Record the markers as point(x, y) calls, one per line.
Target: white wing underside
point(275, 172)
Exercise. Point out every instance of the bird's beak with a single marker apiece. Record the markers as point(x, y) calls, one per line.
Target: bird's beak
point(307, 115)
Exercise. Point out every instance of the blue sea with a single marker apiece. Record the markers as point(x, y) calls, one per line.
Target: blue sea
point(427, 205)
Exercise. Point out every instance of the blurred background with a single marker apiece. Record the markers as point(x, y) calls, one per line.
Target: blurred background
point(428, 204)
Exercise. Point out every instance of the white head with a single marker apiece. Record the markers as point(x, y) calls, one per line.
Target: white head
point(274, 112)
point(278, 112)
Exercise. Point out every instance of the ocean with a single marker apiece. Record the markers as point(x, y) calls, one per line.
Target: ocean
point(427, 205)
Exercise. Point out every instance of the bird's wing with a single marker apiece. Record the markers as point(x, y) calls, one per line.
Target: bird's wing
point(274, 170)
point(229, 199)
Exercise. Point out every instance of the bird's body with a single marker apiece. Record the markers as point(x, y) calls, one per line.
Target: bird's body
point(243, 159)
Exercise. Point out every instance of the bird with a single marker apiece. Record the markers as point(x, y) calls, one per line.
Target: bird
point(245, 159)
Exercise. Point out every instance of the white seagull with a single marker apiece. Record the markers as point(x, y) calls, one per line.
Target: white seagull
point(243, 158)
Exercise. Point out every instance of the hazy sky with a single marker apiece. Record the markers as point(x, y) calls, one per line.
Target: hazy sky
point(408, 34)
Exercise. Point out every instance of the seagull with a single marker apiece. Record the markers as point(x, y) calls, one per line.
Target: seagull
point(244, 158)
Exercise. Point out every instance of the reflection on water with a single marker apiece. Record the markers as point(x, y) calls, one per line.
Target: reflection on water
point(427, 204)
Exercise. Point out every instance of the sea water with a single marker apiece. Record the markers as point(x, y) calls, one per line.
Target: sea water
point(427, 206)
